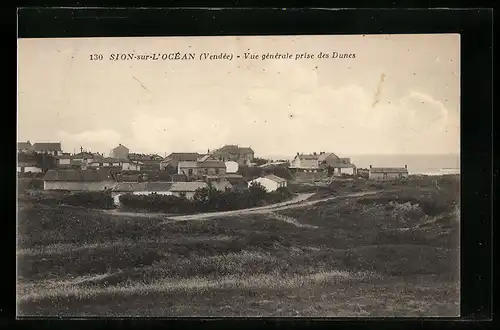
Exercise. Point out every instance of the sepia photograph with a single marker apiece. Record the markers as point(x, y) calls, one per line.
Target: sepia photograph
point(239, 176)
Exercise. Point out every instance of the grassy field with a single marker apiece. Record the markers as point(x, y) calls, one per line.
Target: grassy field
point(392, 254)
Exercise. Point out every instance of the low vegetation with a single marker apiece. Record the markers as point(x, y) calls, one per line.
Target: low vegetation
point(88, 199)
point(380, 255)
point(205, 200)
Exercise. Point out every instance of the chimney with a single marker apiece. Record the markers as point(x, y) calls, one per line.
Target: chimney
point(406, 166)
point(370, 166)
point(297, 153)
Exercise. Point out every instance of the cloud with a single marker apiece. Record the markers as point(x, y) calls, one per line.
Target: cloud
point(278, 122)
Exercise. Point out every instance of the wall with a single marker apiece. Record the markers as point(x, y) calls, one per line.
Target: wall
point(32, 169)
point(119, 152)
point(347, 170)
point(305, 163)
point(211, 171)
point(270, 185)
point(295, 162)
point(309, 176)
point(232, 167)
point(131, 167)
point(78, 185)
point(200, 171)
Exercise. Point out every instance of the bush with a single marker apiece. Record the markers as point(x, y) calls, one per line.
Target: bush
point(205, 200)
point(432, 203)
point(90, 199)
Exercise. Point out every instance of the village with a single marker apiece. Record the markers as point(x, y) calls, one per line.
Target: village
point(230, 167)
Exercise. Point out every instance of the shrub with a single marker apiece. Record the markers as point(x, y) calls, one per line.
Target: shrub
point(90, 199)
point(205, 200)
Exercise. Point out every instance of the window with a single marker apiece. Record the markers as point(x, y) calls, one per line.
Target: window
point(385, 176)
point(216, 171)
point(190, 171)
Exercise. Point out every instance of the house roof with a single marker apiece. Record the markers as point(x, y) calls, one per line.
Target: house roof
point(111, 160)
point(275, 178)
point(23, 145)
point(229, 148)
point(130, 186)
point(107, 173)
point(120, 146)
point(63, 157)
point(388, 170)
point(308, 157)
point(158, 186)
point(233, 176)
point(234, 149)
point(246, 150)
point(324, 156)
point(83, 155)
point(73, 175)
point(225, 176)
point(203, 158)
point(187, 186)
point(183, 156)
point(144, 157)
point(47, 146)
point(26, 164)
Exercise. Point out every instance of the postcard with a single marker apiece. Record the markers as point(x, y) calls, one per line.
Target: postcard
point(255, 176)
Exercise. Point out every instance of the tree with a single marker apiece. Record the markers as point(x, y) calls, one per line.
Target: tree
point(260, 161)
point(257, 193)
point(202, 195)
point(45, 161)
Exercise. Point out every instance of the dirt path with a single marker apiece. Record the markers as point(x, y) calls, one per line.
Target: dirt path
point(298, 201)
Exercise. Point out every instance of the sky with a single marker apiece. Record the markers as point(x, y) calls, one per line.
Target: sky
point(400, 94)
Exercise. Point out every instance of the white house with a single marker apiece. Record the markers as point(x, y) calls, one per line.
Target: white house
point(231, 166)
point(387, 173)
point(270, 182)
point(131, 166)
point(187, 189)
point(120, 152)
point(28, 167)
point(79, 180)
point(83, 158)
point(125, 164)
point(24, 146)
point(63, 161)
point(52, 148)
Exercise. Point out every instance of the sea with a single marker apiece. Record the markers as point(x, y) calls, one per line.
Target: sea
point(437, 164)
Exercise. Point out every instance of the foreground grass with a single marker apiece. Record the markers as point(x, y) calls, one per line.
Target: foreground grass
point(354, 257)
